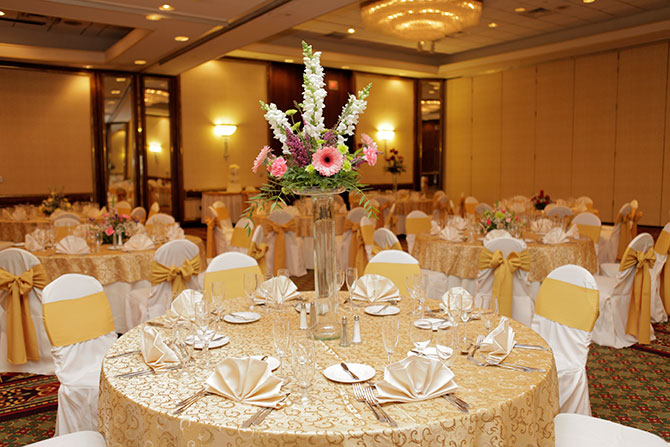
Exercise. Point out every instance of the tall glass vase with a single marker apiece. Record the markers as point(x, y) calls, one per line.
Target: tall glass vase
point(395, 182)
point(327, 325)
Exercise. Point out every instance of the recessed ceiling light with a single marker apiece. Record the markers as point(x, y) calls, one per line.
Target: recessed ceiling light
point(351, 30)
point(166, 7)
point(588, 1)
point(288, 61)
point(115, 92)
point(493, 25)
point(2, 13)
point(181, 38)
point(520, 9)
point(140, 62)
point(120, 79)
point(154, 17)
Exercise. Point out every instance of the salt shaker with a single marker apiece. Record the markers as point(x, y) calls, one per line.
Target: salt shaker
point(344, 335)
point(303, 317)
point(356, 339)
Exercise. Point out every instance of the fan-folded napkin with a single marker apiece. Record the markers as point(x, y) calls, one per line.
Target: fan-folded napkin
point(155, 352)
point(434, 228)
point(458, 222)
point(450, 234)
point(500, 341)
point(175, 232)
point(541, 225)
point(184, 305)
point(19, 214)
point(496, 234)
point(454, 293)
point(72, 245)
point(414, 379)
point(375, 288)
point(246, 380)
point(555, 236)
point(138, 242)
point(33, 242)
point(277, 290)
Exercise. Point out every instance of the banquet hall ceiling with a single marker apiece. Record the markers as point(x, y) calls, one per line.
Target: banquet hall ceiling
point(115, 34)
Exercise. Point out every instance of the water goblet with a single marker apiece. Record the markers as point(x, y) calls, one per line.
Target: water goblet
point(250, 287)
point(390, 335)
point(304, 363)
point(204, 329)
point(217, 296)
point(340, 276)
point(420, 334)
point(184, 350)
point(446, 341)
point(351, 277)
point(281, 337)
point(466, 312)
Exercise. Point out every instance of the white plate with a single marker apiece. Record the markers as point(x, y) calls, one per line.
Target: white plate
point(19, 244)
point(218, 341)
point(337, 374)
point(241, 317)
point(376, 309)
point(435, 323)
point(271, 361)
point(428, 352)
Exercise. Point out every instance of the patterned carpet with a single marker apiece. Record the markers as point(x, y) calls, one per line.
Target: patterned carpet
point(22, 395)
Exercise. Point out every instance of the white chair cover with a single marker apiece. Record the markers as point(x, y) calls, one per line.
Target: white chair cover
point(609, 238)
point(77, 365)
point(559, 211)
point(354, 216)
point(384, 237)
point(570, 346)
point(85, 438)
point(222, 232)
point(144, 304)
point(65, 215)
point(16, 262)
point(523, 305)
point(160, 218)
point(411, 238)
point(481, 207)
point(395, 257)
point(615, 295)
point(228, 261)
point(139, 214)
point(225, 223)
point(576, 430)
point(247, 225)
point(658, 314)
point(294, 258)
point(66, 221)
point(470, 203)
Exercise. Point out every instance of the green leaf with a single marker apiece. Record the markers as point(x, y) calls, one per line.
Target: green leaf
point(291, 112)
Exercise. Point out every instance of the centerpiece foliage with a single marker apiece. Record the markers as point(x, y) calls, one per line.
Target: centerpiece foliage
point(499, 218)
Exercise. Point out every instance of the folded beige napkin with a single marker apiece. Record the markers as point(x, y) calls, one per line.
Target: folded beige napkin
point(246, 380)
point(374, 289)
point(155, 352)
point(434, 228)
point(573, 232)
point(277, 290)
point(496, 234)
point(500, 342)
point(456, 293)
point(175, 232)
point(450, 234)
point(138, 242)
point(184, 305)
point(458, 222)
point(33, 242)
point(414, 379)
point(72, 245)
point(555, 236)
point(541, 225)
point(19, 214)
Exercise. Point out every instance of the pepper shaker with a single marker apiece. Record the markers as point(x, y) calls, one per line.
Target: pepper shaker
point(303, 317)
point(344, 335)
point(356, 339)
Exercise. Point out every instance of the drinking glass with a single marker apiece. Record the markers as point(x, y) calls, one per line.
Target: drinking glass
point(266, 292)
point(446, 341)
point(217, 295)
point(281, 337)
point(351, 277)
point(304, 363)
point(454, 309)
point(250, 287)
point(420, 334)
point(390, 335)
point(184, 351)
point(339, 280)
point(466, 312)
point(204, 329)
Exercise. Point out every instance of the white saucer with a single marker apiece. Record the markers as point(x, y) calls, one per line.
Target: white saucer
point(337, 374)
point(19, 244)
point(435, 323)
point(218, 341)
point(241, 317)
point(376, 308)
point(271, 361)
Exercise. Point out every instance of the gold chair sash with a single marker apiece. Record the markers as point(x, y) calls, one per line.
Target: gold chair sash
point(376, 248)
point(233, 279)
point(503, 289)
point(123, 210)
point(395, 272)
point(417, 225)
point(62, 232)
point(280, 240)
point(212, 223)
point(357, 256)
point(625, 234)
point(663, 247)
point(639, 310)
point(241, 237)
point(177, 275)
point(568, 304)
point(21, 334)
point(257, 251)
point(222, 213)
point(153, 212)
point(590, 231)
point(72, 321)
point(380, 214)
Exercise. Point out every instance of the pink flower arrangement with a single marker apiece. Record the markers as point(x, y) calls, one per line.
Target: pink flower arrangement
point(369, 150)
point(278, 167)
point(260, 158)
point(328, 161)
point(109, 231)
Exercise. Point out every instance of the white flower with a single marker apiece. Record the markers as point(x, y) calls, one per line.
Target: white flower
point(313, 93)
point(349, 117)
point(278, 122)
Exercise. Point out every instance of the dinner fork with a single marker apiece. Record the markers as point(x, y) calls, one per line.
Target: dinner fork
point(360, 397)
point(368, 392)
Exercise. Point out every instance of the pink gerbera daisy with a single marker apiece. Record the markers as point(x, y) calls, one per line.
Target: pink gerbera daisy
point(328, 161)
point(260, 158)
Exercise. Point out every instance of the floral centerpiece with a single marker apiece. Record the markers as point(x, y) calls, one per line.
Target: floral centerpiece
point(55, 201)
point(113, 223)
point(541, 200)
point(313, 157)
point(395, 164)
point(499, 218)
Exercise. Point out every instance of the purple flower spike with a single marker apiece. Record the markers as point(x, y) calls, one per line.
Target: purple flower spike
point(297, 148)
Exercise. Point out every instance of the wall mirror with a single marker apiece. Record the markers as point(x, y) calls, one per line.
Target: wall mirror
point(430, 133)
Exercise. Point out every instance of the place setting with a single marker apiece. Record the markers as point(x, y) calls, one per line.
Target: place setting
point(377, 293)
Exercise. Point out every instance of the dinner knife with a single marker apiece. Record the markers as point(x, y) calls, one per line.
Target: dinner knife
point(351, 373)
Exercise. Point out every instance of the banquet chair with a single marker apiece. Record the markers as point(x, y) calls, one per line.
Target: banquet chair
point(160, 218)
point(86, 438)
point(588, 225)
point(549, 207)
point(339, 205)
point(123, 207)
point(625, 319)
point(586, 201)
point(19, 267)
point(416, 222)
point(395, 265)
point(154, 209)
point(384, 239)
point(352, 241)
point(175, 267)
point(504, 264)
point(230, 268)
point(221, 211)
point(283, 249)
point(80, 325)
point(660, 278)
point(67, 216)
point(139, 214)
point(613, 236)
point(64, 226)
point(470, 205)
point(559, 211)
point(383, 210)
point(219, 229)
point(481, 207)
point(368, 233)
point(438, 194)
point(577, 430)
point(442, 208)
point(566, 308)
point(240, 241)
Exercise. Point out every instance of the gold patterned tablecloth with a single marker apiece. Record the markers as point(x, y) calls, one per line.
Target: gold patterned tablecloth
point(508, 408)
point(461, 259)
point(16, 230)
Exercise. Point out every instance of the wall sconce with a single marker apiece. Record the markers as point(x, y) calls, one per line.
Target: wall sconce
point(225, 131)
point(156, 149)
point(385, 134)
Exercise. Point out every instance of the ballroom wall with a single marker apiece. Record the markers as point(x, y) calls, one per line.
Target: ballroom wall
point(45, 132)
point(158, 131)
point(596, 125)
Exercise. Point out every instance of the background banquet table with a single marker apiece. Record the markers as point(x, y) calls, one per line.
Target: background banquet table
point(508, 408)
point(16, 230)
point(235, 202)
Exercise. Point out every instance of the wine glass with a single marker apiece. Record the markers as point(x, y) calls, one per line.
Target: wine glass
point(281, 337)
point(304, 363)
point(184, 350)
point(351, 277)
point(204, 329)
point(340, 276)
point(446, 341)
point(454, 309)
point(466, 311)
point(250, 287)
point(390, 335)
point(217, 295)
point(420, 334)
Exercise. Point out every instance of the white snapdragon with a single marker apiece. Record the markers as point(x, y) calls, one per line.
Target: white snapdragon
point(278, 122)
point(350, 113)
point(313, 93)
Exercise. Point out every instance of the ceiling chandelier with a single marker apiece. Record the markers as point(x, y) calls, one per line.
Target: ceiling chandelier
point(420, 20)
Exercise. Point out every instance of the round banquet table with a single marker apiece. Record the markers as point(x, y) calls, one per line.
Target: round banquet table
point(16, 230)
point(509, 408)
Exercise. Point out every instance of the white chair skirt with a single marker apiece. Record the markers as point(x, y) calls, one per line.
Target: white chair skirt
point(295, 262)
point(118, 294)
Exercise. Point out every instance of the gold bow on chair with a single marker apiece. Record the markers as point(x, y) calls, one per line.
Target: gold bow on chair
point(663, 247)
point(212, 223)
point(257, 251)
point(21, 334)
point(380, 213)
point(357, 256)
point(280, 240)
point(503, 277)
point(376, 248)
point(178, 275)
point(639, 310)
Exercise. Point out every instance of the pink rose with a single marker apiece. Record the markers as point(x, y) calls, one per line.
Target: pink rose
point(278, 168)
point(508, 220)
point(109, 231)
point(488, 222)
point(370, 154)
